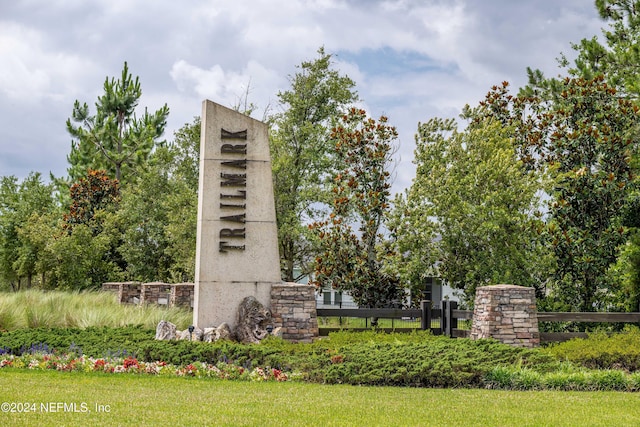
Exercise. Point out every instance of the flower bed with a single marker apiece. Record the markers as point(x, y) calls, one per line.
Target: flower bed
point(131, 365)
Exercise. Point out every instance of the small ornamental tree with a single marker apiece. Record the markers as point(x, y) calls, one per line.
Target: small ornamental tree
point(90, 194)
point(352, 260)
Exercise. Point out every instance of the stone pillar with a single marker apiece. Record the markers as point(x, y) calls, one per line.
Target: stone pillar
point(181, 295)
point(237, 238)
point(293, 308)
point(506, 313)
point(155, 293)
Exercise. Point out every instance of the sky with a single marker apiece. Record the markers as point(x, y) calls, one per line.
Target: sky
point(410, 60)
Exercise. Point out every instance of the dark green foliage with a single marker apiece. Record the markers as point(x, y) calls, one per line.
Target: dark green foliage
point(92, 341)
point(602, 351)
point(436, 362)
point(184, 352)
point(418, 359)
point(114, 139)
point(93, 192)
point(351, 236)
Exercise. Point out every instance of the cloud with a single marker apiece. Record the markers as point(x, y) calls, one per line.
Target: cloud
point(30, 71)
point(411, 60)
point(225, 86)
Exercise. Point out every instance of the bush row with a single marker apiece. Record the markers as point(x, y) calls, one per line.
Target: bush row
point(418, 359)
point(603, 351)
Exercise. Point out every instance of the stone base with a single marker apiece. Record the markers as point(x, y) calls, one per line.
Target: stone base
point(506, 313)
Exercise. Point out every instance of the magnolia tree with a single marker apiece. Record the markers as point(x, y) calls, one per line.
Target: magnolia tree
point(351, 238)
point(583, 135)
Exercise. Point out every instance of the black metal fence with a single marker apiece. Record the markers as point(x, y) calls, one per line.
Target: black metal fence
point(440, 321)
point(446, 320)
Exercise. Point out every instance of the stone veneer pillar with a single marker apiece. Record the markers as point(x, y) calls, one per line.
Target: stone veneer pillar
point(293, 308)
point(506, 313)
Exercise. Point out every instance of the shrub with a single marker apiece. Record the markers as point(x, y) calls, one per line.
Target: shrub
point(436, 362)
point(92, 341)
point(602, 351)
point(417, 360)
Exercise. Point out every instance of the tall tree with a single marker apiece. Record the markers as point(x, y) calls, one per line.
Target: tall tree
point(21, 207)
point(114, 139)
point(182, 204)
point(353, 261)
point(158, 212)
point(474, 194)
point(592, 134)
point(302, 155)
point(585, 136)
point(618, 59)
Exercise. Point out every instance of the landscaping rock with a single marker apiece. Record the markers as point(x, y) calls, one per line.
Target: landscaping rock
point(165, 331)
point(196, 335)
point(222, 332)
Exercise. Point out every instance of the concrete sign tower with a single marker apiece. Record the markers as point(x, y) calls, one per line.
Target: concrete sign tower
point(237, 240)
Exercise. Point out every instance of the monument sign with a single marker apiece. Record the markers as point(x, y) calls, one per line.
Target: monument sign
point(237, 238)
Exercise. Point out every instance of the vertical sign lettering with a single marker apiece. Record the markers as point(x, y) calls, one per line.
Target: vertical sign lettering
point(233, 193)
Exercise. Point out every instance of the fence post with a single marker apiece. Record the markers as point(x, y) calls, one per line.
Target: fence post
point(448, 322)
point(425, 320)
point(445, 318)
point(453, 321)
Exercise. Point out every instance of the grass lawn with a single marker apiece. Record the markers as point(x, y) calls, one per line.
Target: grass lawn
point(141, 400)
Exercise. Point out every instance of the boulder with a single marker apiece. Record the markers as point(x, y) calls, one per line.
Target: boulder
point(222, 332)
point(165, 331)
point(196, 335)
point(277, 332)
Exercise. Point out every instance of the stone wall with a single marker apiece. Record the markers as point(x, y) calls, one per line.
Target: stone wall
point(155, 293)
point(129, 293)
point(293, 308)
point(111, 287)
point(182, 295)
point(506, 313)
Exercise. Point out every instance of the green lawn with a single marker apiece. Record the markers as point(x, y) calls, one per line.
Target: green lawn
point(140, 400)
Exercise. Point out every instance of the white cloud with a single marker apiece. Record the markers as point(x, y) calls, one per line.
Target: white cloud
point(411, 60)
point(30, 71)
point(227, 87)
